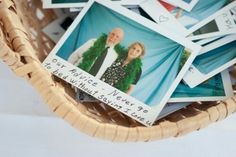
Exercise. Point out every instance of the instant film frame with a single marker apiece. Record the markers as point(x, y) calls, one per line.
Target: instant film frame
point(212, 59)
point(82, 3)
point(222, 22)
point(216, 88)
point(133, 24)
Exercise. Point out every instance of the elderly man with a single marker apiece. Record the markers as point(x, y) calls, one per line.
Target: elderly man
point(96, 55)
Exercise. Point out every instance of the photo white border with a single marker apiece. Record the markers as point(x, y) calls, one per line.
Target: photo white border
point(49, 4)
point(228, 89)
point(184, 5)
point(194, 49)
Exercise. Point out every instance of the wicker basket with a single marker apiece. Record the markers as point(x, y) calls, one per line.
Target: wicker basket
point(23, 47)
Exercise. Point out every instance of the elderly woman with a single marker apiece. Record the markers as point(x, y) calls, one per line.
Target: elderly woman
point(125, 72)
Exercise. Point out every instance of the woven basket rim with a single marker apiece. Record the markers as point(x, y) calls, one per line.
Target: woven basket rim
point(17, 52)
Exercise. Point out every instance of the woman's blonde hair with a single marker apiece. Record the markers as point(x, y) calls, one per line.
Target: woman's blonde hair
point(141, 45)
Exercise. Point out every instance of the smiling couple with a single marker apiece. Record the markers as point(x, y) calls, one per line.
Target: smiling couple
point(107, 60)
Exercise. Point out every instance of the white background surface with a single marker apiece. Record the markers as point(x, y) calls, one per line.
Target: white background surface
point(29, 129)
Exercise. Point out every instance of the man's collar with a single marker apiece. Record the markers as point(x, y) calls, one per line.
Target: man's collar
point(106, 46)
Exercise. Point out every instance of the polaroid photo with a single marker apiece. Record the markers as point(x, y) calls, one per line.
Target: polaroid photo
point(57, 28)
point(146, 62)
point(218, 42)
point(82, 3)
point(222, 22)
point(216, 88)
point(86, 98)
point(202, 10)
point(184, 4)
point(210, 63)
point(161, 16)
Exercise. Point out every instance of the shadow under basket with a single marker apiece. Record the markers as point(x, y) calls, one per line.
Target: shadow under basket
point(23, 47)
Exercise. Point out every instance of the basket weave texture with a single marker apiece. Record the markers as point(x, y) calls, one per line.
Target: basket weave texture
point(23, 47)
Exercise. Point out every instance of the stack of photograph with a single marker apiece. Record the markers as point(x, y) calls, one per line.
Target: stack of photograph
point(143, 59)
